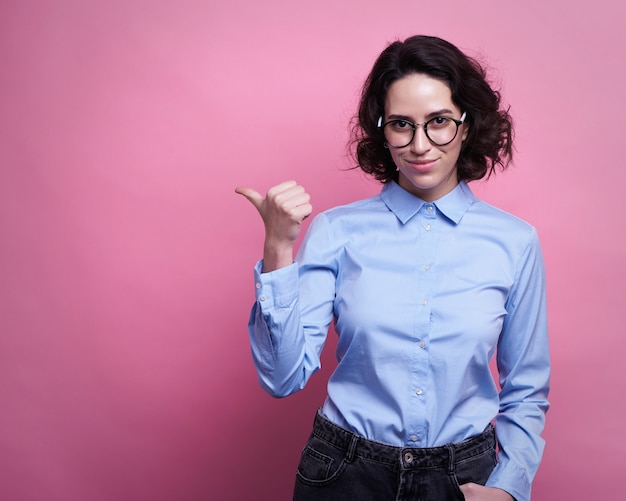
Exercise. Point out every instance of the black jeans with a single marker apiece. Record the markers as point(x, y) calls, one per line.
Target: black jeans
point(337, 465)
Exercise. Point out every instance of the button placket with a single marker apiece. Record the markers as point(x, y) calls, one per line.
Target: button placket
point(426, 253)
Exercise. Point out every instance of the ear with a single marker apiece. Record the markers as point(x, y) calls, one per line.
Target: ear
point(465, 131)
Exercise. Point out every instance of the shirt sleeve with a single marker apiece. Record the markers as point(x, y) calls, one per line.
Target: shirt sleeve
point(524, 366)
point(293, 310)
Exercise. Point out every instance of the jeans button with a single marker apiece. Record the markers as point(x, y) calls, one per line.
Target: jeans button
point(408, 457)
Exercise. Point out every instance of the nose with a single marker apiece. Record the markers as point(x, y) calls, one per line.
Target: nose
point(420, 143)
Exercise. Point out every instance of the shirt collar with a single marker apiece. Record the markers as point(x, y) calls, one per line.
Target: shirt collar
point(405, 205)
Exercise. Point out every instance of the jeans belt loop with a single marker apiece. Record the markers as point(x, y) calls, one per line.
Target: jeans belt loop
point(352, 448)
point(451, 459)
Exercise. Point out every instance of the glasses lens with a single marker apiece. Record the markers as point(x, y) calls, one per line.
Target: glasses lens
point(399, 133)
point(441, 130)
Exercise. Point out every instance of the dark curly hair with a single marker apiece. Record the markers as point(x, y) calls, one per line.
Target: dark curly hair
point(489, 142)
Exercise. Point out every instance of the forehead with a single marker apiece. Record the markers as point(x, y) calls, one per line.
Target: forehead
point(418, 94)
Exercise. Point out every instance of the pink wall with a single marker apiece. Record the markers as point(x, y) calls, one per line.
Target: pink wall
point(125, 256)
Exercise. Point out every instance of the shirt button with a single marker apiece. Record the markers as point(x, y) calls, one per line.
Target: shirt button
point(422, 344)
point(427, 227)
point(429, 208)
point(258, 285)
point(414, 438)
point(424, 301)
point(427, 267)
point(263, 297)
point(419, 391)
point(408, 457)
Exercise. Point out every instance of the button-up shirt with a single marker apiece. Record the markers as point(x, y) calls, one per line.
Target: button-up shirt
point(422, 295)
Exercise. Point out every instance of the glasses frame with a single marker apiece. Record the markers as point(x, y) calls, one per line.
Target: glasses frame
point(414, 127)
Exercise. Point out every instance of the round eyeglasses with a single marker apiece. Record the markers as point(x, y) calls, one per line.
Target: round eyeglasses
point(439, 130)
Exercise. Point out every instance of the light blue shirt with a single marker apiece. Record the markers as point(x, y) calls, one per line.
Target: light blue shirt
point(422, 295)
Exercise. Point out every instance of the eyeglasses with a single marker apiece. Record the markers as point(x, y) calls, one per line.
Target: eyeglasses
point(439, 130)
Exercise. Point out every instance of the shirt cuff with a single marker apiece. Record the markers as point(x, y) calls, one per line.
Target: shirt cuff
point(512, 479)
point(276, 289)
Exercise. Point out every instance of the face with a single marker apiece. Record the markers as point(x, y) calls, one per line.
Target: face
point(425, 169)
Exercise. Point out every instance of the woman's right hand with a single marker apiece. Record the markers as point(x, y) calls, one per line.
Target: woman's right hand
point(283, 209)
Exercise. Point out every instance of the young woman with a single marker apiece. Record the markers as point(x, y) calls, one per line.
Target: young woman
point(425, 284)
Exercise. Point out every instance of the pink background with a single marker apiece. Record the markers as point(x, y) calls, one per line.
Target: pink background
point(126, 258)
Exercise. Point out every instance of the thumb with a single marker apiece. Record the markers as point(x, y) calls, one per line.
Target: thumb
point(251, 194)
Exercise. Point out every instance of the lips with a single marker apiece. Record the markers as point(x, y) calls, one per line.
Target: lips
point(422, 165)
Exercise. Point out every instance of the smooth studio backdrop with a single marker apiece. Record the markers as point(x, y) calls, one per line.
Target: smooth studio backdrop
point(126, 257)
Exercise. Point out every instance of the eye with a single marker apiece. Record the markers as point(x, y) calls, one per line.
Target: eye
point(401, 125)
point(439, 122)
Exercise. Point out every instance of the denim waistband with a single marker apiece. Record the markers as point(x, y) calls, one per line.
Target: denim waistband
point(426, 457)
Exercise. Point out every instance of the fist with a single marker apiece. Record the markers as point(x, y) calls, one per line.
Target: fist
point(283, 209)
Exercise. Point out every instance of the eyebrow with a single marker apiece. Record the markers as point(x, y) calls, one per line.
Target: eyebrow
point(444, 111)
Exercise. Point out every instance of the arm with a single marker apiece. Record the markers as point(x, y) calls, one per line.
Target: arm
point(290, 318)
point(524, 368)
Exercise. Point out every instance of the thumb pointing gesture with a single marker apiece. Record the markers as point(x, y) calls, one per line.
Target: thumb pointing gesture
point(283, 209)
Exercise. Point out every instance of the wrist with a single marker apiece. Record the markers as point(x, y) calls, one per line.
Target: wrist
point(276, 255)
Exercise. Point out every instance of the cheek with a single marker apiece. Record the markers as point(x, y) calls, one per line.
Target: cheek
point(454, 150)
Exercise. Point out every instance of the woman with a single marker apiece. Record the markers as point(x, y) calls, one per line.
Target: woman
point(425, 283)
